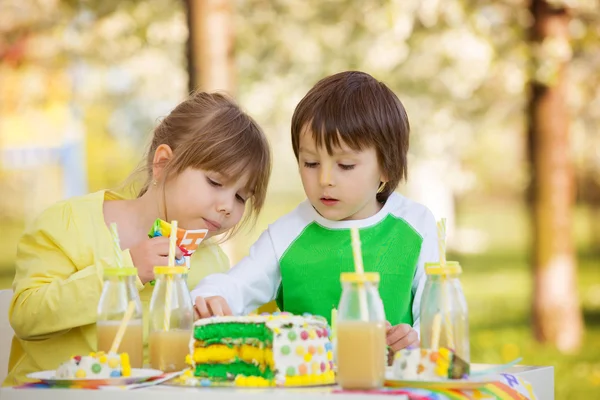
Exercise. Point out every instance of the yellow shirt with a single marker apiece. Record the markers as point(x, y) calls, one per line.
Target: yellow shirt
point(58, 283)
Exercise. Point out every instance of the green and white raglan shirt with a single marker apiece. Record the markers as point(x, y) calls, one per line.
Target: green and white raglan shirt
point(299, 258)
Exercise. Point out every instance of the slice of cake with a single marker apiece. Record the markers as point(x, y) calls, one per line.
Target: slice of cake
point(427, 364)
point(95, 366)
point(266, 350)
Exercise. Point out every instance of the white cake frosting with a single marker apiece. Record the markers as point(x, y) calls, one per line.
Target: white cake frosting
point(95, 366)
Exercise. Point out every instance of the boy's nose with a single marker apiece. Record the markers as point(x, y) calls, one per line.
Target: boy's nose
point(326, 177)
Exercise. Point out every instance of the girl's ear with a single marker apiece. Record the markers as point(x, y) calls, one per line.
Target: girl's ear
point(162, 155)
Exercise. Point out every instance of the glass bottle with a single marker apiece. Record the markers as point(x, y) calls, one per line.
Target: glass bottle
point(117, 292)
point(171, 319)
point(361, 333)
point(444, 313)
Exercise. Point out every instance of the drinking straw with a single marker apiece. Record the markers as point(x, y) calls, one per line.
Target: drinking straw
point(116, 244)
point(121, 332)
point(359, 269)
point(333, 323)
point(169, 277)
point(449, 327)
point(435, 332)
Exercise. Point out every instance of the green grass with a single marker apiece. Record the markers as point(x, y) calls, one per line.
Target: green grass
point(498, 290)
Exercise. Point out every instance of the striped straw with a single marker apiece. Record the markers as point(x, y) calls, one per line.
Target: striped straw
point(116, 244)
point(359, 269)
point(114, 348)
point(169, 280)
point(441, 231)
point(172, 243)
point(448, 326)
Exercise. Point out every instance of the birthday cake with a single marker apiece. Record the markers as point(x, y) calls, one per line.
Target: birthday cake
point(95, 366)
point(267, 350)
point(427, 364)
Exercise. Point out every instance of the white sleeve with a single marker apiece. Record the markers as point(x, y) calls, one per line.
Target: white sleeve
point(250, 283)
point(429, 253)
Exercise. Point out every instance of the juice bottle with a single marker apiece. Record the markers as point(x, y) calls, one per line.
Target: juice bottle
point(118, 290)
point(444, 301)
point(171, 319)
point(361, 333)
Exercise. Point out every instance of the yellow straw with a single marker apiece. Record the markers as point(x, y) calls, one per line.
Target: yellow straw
point(435, 332)
point(116, 244)
point(121, 332)
point(441, 231)
point(359, 269)
point(333, 323)
point(169, 283)
point(172, 243)
point(357, 251)
point(449, 329)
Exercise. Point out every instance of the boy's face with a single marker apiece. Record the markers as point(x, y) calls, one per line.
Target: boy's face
point(341, 186)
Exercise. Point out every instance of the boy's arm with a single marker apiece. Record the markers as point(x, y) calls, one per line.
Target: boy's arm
point(51, 293)
point(250, 283)
point(429, 253)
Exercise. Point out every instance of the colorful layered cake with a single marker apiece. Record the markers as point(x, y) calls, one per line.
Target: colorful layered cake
point(95, 366)
point(267, 350)
point(426, 364)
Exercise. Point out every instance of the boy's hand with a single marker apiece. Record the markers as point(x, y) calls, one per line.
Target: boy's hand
point(209, 306)
point(401, 336)
point(150, 253)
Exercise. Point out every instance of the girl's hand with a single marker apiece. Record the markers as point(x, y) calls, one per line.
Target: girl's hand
point(209, 306)
point(401, 336)
point(151, 253)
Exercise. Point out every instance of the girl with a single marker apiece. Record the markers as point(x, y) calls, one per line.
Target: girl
point(350, 138)
point(208, 161)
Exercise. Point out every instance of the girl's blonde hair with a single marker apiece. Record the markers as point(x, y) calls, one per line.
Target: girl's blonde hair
point(209, 131)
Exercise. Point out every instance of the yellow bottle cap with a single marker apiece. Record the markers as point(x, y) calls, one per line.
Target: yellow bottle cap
point(353, 277)
point(125, 271)
point(170, 270)
point(451, 268)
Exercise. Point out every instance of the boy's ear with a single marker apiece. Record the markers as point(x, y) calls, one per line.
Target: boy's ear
point(383, 178)
point(162, 155)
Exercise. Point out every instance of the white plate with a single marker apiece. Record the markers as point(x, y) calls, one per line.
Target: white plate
point(137, 375)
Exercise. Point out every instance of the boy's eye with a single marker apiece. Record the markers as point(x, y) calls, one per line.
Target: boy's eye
point(214, 183)
point(310, 164)
point(346, 166)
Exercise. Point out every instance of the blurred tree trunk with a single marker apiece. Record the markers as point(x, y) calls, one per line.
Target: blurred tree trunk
point(557, 317)
point(210, 45)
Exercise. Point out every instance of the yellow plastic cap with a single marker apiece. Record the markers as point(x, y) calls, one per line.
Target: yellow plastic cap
point(353, 277)
point(125, 271)
point(170, 270)
point(451, 268)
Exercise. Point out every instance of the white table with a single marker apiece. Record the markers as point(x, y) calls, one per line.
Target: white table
point(541, 378)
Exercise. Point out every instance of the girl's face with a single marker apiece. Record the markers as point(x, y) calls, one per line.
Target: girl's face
point(200, 199)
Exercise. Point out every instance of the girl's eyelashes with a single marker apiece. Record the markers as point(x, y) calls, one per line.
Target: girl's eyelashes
point(238, 197)
point(346, 167)
point(213, 183)
point(310, 164)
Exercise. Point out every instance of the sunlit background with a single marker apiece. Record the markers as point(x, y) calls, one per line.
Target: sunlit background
point(83, 83)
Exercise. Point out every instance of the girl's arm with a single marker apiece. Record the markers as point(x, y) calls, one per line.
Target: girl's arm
point(53, 294)
point(249, 284)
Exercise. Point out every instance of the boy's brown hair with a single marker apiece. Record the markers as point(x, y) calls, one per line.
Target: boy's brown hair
point(355, 108)
point(209, 131)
